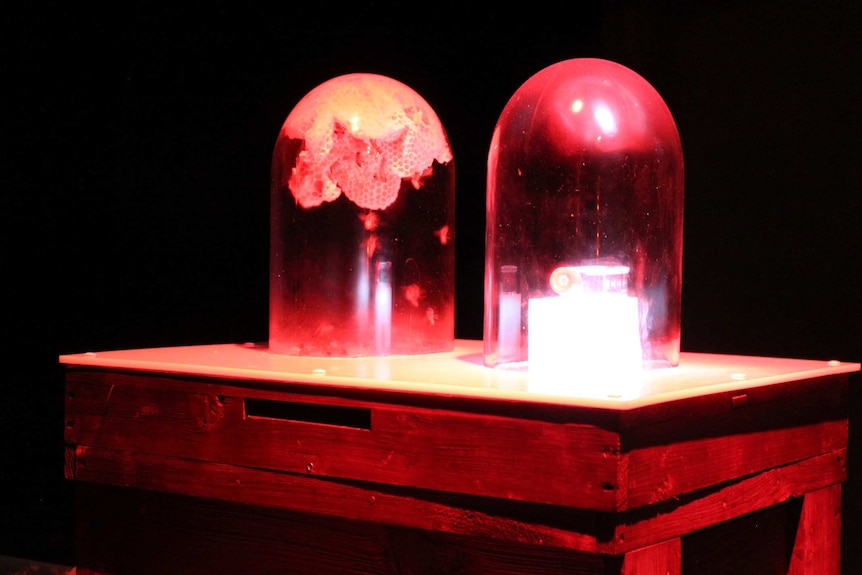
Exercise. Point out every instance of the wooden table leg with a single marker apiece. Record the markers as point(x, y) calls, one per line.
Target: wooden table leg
point(660, 559)
point(817, 549)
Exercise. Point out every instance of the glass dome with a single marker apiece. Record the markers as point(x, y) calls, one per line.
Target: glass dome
point(584, 226)
point(362, 224)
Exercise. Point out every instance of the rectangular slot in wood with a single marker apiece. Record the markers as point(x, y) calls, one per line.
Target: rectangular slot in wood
point(342, 416)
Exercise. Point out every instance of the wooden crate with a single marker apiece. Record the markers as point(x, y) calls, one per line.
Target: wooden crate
point(227, 459)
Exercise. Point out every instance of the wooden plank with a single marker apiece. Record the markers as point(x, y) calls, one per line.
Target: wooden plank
point(346, 395)
point(311, 494)
point(579, 465)
point(665, 472)
point(645, 526)
point(428, 553)
point(817, 548)
point(787, 404)
point(85, 405)
point(408, 508)
point(135, 532)
point(130, 532)
point(564, 464)
point(663, 558)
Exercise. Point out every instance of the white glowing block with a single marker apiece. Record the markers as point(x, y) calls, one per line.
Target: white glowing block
point(586, 345)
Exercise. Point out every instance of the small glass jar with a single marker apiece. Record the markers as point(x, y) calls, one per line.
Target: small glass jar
point(584, 225)
point(362, 224)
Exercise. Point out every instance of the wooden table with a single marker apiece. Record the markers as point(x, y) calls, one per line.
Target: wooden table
point(229, 459)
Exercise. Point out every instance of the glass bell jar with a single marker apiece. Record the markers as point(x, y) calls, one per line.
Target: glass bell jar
point(362, 252)
point(584, 224)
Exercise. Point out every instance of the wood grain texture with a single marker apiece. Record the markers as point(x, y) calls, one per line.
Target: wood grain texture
point(662, 473)
point(70, 462)
point(411, 508)
point(558, 463)
point(663, 558)
point(817, 548)
point(310, 494)
point(727, 501)
point(781, 405)
point(135, 532)
point(344, 481)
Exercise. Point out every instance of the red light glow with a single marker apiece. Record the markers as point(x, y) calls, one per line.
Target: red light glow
point(363, 134)
point(585, 198)
point(362, 212)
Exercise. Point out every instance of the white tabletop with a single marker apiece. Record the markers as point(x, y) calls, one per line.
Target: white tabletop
point(461, 373)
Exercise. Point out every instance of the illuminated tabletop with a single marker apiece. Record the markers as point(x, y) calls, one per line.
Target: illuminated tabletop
point(460, 373)
point(437, 450)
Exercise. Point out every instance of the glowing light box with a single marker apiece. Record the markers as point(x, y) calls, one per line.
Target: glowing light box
point(362, 233)
point(584, 229)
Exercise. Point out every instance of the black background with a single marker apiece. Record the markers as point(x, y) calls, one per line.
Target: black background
point(136, 147)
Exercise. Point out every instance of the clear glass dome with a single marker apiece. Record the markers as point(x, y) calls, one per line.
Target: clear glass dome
point(362, 224)
point(584, 225)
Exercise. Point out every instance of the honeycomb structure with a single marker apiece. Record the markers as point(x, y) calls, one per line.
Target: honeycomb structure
point(362, 135)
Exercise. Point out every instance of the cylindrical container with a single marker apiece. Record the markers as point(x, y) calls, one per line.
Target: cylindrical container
point(584, 225)
point(362, 251)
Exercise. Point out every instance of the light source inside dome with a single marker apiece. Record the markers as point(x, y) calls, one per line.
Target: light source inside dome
point(583, 240)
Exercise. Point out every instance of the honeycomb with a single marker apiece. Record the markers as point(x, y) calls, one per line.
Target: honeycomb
point(362, 135)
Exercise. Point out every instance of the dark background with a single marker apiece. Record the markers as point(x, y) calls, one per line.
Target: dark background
point(136, 148)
